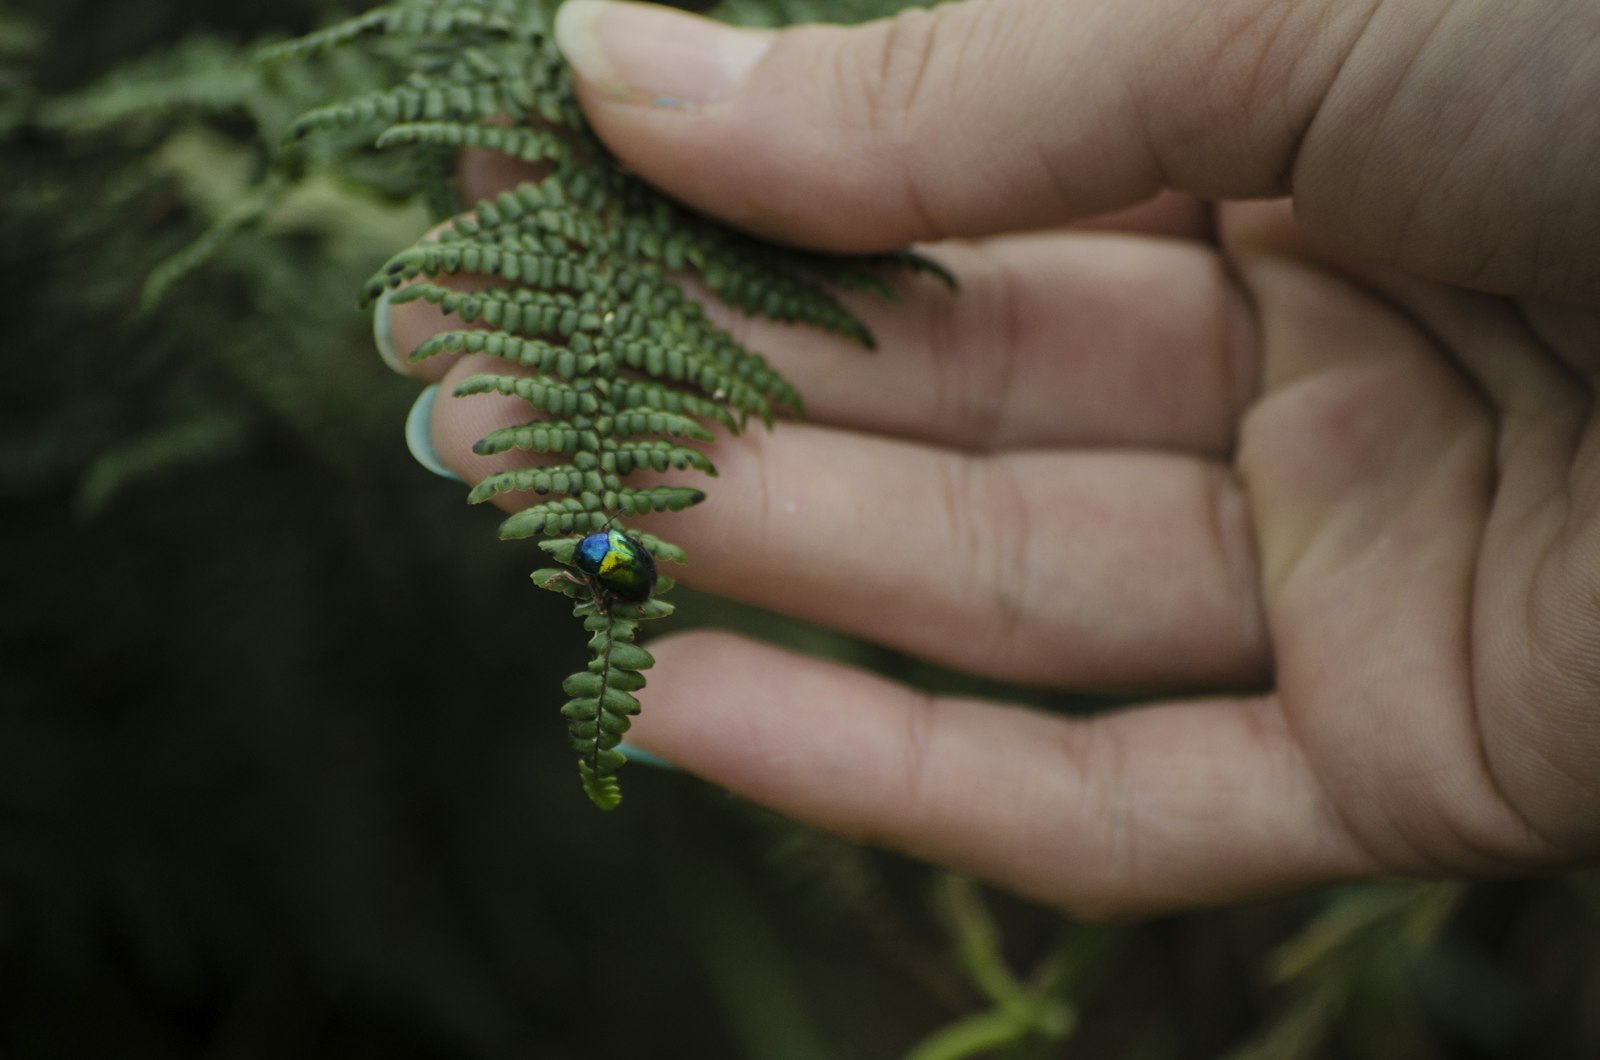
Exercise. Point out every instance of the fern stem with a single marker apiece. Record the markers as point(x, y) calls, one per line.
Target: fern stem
point(605, 686)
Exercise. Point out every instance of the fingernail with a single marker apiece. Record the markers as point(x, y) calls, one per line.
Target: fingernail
point(382, 337)
point(419, 434)
point(645, 758)
point(648, 54)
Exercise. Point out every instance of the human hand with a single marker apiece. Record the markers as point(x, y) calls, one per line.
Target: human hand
point(1335, 458)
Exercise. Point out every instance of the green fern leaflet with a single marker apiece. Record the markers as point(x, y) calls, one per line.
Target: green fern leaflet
point(622, 372)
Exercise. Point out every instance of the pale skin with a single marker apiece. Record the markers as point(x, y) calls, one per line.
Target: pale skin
point(1317, 474)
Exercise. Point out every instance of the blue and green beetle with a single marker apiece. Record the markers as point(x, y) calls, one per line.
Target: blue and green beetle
point(618, 564)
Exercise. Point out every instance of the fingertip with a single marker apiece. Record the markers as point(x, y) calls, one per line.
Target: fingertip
point(400, 328)
point(714, 117)
point(643, 53)
point(639, 756)
point(383, 334)
point(419, 435)
point(686, 721)
point(806, 736)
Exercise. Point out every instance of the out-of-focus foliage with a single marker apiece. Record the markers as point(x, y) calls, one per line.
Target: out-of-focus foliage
point(249, 807)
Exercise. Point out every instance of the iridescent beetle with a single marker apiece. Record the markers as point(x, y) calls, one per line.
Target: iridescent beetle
point(617, 564)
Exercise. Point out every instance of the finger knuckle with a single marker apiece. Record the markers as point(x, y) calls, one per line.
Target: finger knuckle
point(892, 89)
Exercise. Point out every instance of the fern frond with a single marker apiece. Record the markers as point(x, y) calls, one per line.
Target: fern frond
point(246, 214)
point(403, 19)
point(205, 436)
point(568, 515)
point(420, 99)
point(655, 455)
point(602, 706)
point(540, 436)
point(519, 311)
point(335, 36)
point(566, 209)
point(664, 551)
point(635, 393)
point(667, 311)
point(654, 499)
point(559, 478)
point(530, 145)
point(516, 260)
point(200, 75)
point(515, 349)
point(759, 279)
point(542, 392)
point(575, 286)
point(630, 423)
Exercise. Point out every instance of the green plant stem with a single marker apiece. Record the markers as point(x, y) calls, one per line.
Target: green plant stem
point(1020, 1011)
point(970, 1036)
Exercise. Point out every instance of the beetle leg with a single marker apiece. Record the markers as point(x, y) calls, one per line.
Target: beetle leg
point(565, 576)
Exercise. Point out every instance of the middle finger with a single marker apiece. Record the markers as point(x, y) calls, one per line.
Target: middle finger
point(1062, 338)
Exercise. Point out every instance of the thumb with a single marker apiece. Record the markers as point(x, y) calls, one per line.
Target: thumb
point(972, 118)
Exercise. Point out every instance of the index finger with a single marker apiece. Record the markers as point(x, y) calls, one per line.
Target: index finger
point(973, 118)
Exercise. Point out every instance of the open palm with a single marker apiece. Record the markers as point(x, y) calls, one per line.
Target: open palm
point(1186, 449)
